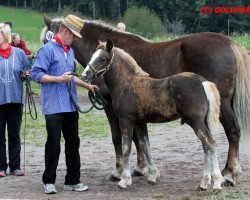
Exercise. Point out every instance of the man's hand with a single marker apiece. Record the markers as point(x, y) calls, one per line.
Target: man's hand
point(65, 78)
point(26, 74)
point(92, 88)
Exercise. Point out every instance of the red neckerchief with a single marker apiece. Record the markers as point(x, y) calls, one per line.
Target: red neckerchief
point(6, 52)
point(65, 47)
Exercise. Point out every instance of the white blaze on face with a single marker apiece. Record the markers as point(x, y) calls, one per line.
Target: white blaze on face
point(95, 55)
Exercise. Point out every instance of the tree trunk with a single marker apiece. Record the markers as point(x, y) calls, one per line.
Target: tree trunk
point(24, 4)
point(16, 3)
point(103, 8)
point(59, 6)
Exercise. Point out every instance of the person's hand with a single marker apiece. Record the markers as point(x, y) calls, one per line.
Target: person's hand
point(92, 88)
point(65, 78)
point(26, 73)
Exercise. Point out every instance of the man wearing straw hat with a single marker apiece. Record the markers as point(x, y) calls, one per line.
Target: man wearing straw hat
point(52, 69)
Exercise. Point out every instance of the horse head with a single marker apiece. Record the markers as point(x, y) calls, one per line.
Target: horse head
point(51, 28)
point(100, 61)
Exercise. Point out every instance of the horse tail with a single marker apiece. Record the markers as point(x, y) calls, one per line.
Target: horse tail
point(213, 96)
point(241, 97)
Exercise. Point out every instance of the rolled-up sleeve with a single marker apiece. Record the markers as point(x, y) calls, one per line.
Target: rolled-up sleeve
point(41, 65)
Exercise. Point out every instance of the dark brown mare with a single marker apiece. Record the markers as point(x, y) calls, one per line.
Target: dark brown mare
point(138, 98)
point(212, 55)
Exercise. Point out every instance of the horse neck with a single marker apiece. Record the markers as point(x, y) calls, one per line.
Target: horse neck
point(103, 32)
point(121, 71)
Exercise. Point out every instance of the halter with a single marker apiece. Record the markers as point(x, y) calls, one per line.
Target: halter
point(102, 71)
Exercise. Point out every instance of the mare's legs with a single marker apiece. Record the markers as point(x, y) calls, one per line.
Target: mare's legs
point(211, 161)
point(232, 130)
point(127, 127)
point(152, 170)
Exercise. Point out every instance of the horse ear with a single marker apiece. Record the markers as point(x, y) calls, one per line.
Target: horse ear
point(47, 20)
point(109, 45)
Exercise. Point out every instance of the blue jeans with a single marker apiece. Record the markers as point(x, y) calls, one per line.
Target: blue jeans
point(10, 114)
point(67, 123)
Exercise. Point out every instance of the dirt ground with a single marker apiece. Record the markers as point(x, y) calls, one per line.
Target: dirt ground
point(177, 153)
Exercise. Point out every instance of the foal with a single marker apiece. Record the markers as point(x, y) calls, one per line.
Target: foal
point(138, 98)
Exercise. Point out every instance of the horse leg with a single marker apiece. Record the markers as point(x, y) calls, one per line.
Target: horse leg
point(127, 127)
point(232, 130)
point(140, 129)
point(153, 171)
point(206, 177)
point(211, 160)
point(117, 142)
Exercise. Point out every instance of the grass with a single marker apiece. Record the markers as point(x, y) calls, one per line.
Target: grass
point(25, 22)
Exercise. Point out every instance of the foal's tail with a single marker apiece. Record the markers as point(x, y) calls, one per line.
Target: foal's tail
point(241, 97)
point(213, 96)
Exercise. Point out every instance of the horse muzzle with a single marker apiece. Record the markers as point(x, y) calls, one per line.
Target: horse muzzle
point(88, 75)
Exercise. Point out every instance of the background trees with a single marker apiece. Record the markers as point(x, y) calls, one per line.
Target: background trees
point(174, 16)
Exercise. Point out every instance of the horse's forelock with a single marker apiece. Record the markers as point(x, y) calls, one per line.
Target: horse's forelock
point(101, 45)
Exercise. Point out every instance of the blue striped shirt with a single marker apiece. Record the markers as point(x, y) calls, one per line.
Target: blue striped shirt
point(11, 69)
point(52, 60)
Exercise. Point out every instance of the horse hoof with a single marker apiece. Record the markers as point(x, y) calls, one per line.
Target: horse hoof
point(201, 188)
point(113, 178)
point(137, 173)
point(152, 182)
point(228, 183)
point(122, 185)
point(216, 191)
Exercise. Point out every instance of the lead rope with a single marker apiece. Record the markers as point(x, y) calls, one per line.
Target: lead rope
point(24, 132)
point(95, 98)
point(29, 99)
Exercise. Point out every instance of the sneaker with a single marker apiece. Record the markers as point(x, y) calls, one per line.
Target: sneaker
point(77, 187)
point(2, 174)
point(17, 172)
point(50, 189)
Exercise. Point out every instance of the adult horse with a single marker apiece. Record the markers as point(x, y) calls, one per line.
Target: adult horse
point(212, 55)
point(186, 95)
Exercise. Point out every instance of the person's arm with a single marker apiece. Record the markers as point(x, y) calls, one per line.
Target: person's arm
point(84, 84)
point(65, 78)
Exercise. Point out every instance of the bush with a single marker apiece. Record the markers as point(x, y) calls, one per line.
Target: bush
point(143, 22)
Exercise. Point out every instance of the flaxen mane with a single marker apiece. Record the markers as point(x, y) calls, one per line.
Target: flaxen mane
point(126, 57)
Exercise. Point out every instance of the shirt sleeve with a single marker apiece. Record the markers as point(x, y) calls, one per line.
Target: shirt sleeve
point(42, 63)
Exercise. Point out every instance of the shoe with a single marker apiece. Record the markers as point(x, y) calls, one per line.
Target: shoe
point(50, 189)
point(2, 174)
point(77, 187)
point(17, 172)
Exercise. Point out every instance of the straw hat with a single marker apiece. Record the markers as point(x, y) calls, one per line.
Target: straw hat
point(74, 24)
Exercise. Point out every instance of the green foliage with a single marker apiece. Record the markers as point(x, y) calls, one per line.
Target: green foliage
point(242, 39)
point(26, 22)
point(142, 21)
